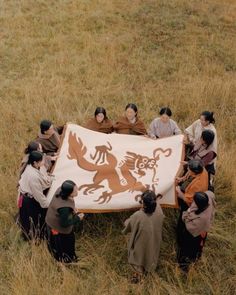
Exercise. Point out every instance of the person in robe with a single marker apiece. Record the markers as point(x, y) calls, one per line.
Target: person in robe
point(194, 131)
point(100, 122)
point(49, 138)
point(32, 201)
point(195, 180)
point(163, 126)
point(61, 219)
point(36, 146)
point(204, 150)
point(145, 228)
point(197, 221)
point(130, 123)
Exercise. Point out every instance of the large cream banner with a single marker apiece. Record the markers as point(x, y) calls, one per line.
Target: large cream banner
point(112, 170)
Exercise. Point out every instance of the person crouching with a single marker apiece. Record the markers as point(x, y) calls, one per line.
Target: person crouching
point(60, 220)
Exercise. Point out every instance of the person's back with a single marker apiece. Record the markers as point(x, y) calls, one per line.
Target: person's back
point(145, 228)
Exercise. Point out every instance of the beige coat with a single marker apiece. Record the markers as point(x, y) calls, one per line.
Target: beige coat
point(34, 182)
point(194, 132)
point(202, 222)
point(145, 238)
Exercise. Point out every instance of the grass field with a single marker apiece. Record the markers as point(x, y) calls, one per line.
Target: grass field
point(60, 59)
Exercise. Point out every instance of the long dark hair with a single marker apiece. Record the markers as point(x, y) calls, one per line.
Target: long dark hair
point(165, 110)
point(202, 201)
point(35, 156)
point(208, 137)
point(66, 190)
point(102, 111)
point(133, 107)
point(209, 116)
point(32, 146)
point(148, 199)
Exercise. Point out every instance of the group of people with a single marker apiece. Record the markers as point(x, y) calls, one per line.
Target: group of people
point(55, 220)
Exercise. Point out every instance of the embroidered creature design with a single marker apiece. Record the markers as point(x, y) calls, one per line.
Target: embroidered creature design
point(105, 166)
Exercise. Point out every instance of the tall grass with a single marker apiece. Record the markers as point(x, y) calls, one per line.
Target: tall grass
point(59, 60)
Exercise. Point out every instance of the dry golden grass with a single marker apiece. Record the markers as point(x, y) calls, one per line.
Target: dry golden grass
point(59, 60)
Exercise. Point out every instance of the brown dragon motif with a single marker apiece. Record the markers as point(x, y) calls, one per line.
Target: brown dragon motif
point(105, 165)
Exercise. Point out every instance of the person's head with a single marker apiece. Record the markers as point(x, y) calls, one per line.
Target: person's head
point(68, 190)
point(206, 118)
point(131, 111)
point(165, 114)
point(201, 200)
point(148, 200)
point(36, 159)
point(207, 137)
point(33, 146)
point(46, 127)
point(195, 166)
point(100, 114)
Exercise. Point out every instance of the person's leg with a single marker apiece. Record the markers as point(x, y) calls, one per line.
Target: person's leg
point(24, 218)
point(137, 274)
point(68, 247)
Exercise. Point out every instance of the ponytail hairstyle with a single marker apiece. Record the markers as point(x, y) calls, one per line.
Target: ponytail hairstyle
point(32, 146)
point(66, 190)
point(202, 201)
point(100, 110)
point(35, 156)
point(209, 116)
point(148, 199)
point(208, 137)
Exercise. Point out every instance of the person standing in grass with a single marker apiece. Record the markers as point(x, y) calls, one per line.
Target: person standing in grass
point(61, 219)
point(195, 180)
point(130, 122)
point(197, 221)
point(100, 122)
point(32, 201)
point(163, 126)
point(145, 228)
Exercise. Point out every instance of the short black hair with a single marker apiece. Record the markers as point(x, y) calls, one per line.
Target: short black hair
point(100, 110)
point(66, 190)
point(208, 136)
point(35, 156)
point(196, 166)
point(209, 116)
point(165, 110)
point(45, 125)
point(132, 106)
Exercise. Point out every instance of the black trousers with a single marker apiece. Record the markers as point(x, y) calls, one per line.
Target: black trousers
point(62, 246)
point(189, 247)
point(32, 219)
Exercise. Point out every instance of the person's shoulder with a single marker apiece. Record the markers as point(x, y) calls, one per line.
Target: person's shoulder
point(156, 120)
point(173, 122)
point(108, 121)
point(121, 119)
